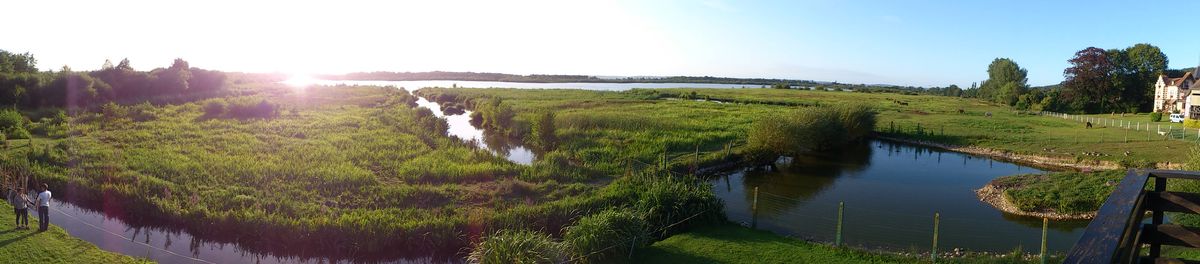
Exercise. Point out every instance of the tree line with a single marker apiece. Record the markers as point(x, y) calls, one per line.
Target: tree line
point(1098, 81)
point(22, 85)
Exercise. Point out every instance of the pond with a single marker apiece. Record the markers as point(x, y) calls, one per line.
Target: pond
point(459, 125)
point(891, 192)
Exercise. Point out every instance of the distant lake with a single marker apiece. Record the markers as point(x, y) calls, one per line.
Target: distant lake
point(891, 191)
point(413, 85)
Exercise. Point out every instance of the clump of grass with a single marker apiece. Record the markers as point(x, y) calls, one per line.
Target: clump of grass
point(808, 129)
point(596, 237)
point(518, 246)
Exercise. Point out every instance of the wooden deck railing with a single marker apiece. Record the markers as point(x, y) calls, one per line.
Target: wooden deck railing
point(1120, 231)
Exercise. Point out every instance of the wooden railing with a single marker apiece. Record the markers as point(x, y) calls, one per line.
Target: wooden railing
point(1120, 231)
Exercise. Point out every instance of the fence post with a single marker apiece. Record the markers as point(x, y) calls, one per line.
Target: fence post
point(1045, 223)
point(754, 210)
point(837, 240)
point(933, 253)
point(632, 244)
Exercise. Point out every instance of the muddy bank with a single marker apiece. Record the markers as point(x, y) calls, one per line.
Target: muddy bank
point(994, 196)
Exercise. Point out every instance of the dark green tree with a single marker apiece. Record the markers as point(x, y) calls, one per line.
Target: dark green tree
point(1006, 82)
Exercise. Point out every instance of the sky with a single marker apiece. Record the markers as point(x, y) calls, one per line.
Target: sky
point(914, 42)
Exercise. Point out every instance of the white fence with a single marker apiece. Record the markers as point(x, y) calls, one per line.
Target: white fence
point(1153, 130)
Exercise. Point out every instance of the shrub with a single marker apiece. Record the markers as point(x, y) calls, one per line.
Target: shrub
point(518, 246)
point(17, 133)
point(142, 112)
point(214, 108)
point(542, 131)
point(11, 118)
point(807, 129)
point(112, 110)
point(248, 109)
point(1156, 117)
point(598, 233)
point(1191, 123)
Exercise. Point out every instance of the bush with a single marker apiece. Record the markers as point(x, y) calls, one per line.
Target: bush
point(807, 129)
point(598, 233)
point(542, 131)
point(248, 109)
point(1156, 117)
point(11, 118)
point(518, 246)
point(214, 108)
point(1191, 123)
point(17, 133)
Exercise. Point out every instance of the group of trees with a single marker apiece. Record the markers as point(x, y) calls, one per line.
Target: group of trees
point(1113, 80)
point(22, 85)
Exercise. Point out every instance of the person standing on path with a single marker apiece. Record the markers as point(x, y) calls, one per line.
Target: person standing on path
point(43, 204)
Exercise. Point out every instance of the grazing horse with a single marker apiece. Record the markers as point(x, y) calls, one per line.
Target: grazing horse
point(1089, 124)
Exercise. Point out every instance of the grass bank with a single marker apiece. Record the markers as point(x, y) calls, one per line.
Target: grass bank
point(1058, 195)
point(736, 244)
point(53, 246)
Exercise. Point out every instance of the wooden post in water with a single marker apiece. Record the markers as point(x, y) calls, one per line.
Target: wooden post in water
point(837, 239)
point(754, 210)
point(1045, 223)
point(933, 252)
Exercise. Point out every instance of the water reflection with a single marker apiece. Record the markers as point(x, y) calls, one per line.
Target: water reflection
point(891, 192)
point(164, 244)
point(460, 126)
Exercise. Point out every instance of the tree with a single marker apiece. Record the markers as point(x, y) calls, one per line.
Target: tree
point(1144, 63)
point(17, 63)
point(1088, 86)
point(1006, 82)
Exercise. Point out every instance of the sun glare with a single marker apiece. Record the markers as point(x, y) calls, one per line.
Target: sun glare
point(300, 81)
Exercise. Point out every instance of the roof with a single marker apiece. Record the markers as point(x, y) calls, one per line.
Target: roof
point(1180, 80)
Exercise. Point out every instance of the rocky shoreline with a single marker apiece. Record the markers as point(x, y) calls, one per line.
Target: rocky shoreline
point(994, 196)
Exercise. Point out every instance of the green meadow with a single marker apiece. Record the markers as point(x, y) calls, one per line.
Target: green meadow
point(267, 163)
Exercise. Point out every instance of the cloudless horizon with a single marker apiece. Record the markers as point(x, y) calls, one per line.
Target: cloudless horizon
point(918, 43)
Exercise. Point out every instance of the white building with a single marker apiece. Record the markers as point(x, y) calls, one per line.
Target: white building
point(1174, 94)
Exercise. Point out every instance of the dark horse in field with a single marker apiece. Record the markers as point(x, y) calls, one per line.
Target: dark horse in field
point(1089, 124)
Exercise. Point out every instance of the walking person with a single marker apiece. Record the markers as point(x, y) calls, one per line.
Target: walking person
point(43, 204)
point(20, 203)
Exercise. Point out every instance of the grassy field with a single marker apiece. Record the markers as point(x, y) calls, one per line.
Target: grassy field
point(735, 244)
point(919, 117)
point(53, 246)
point(347, 163)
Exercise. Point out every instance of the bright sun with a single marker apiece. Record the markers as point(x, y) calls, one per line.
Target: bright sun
point(300, 80)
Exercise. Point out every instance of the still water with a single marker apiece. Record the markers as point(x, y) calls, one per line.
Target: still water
point(460, 126)
point(165, 245)
point(891, 192)
point(413, 85)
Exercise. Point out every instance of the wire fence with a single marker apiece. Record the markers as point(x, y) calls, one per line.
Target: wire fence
point(1146, 130)
point(835, 223)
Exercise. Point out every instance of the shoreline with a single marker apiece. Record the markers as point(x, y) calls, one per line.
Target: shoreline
point(1041, 162)
point(994, 196)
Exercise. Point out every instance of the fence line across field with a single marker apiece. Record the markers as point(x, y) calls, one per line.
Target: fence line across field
point(838, 217)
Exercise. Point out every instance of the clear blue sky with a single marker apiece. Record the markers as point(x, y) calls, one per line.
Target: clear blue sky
point(924, 43)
